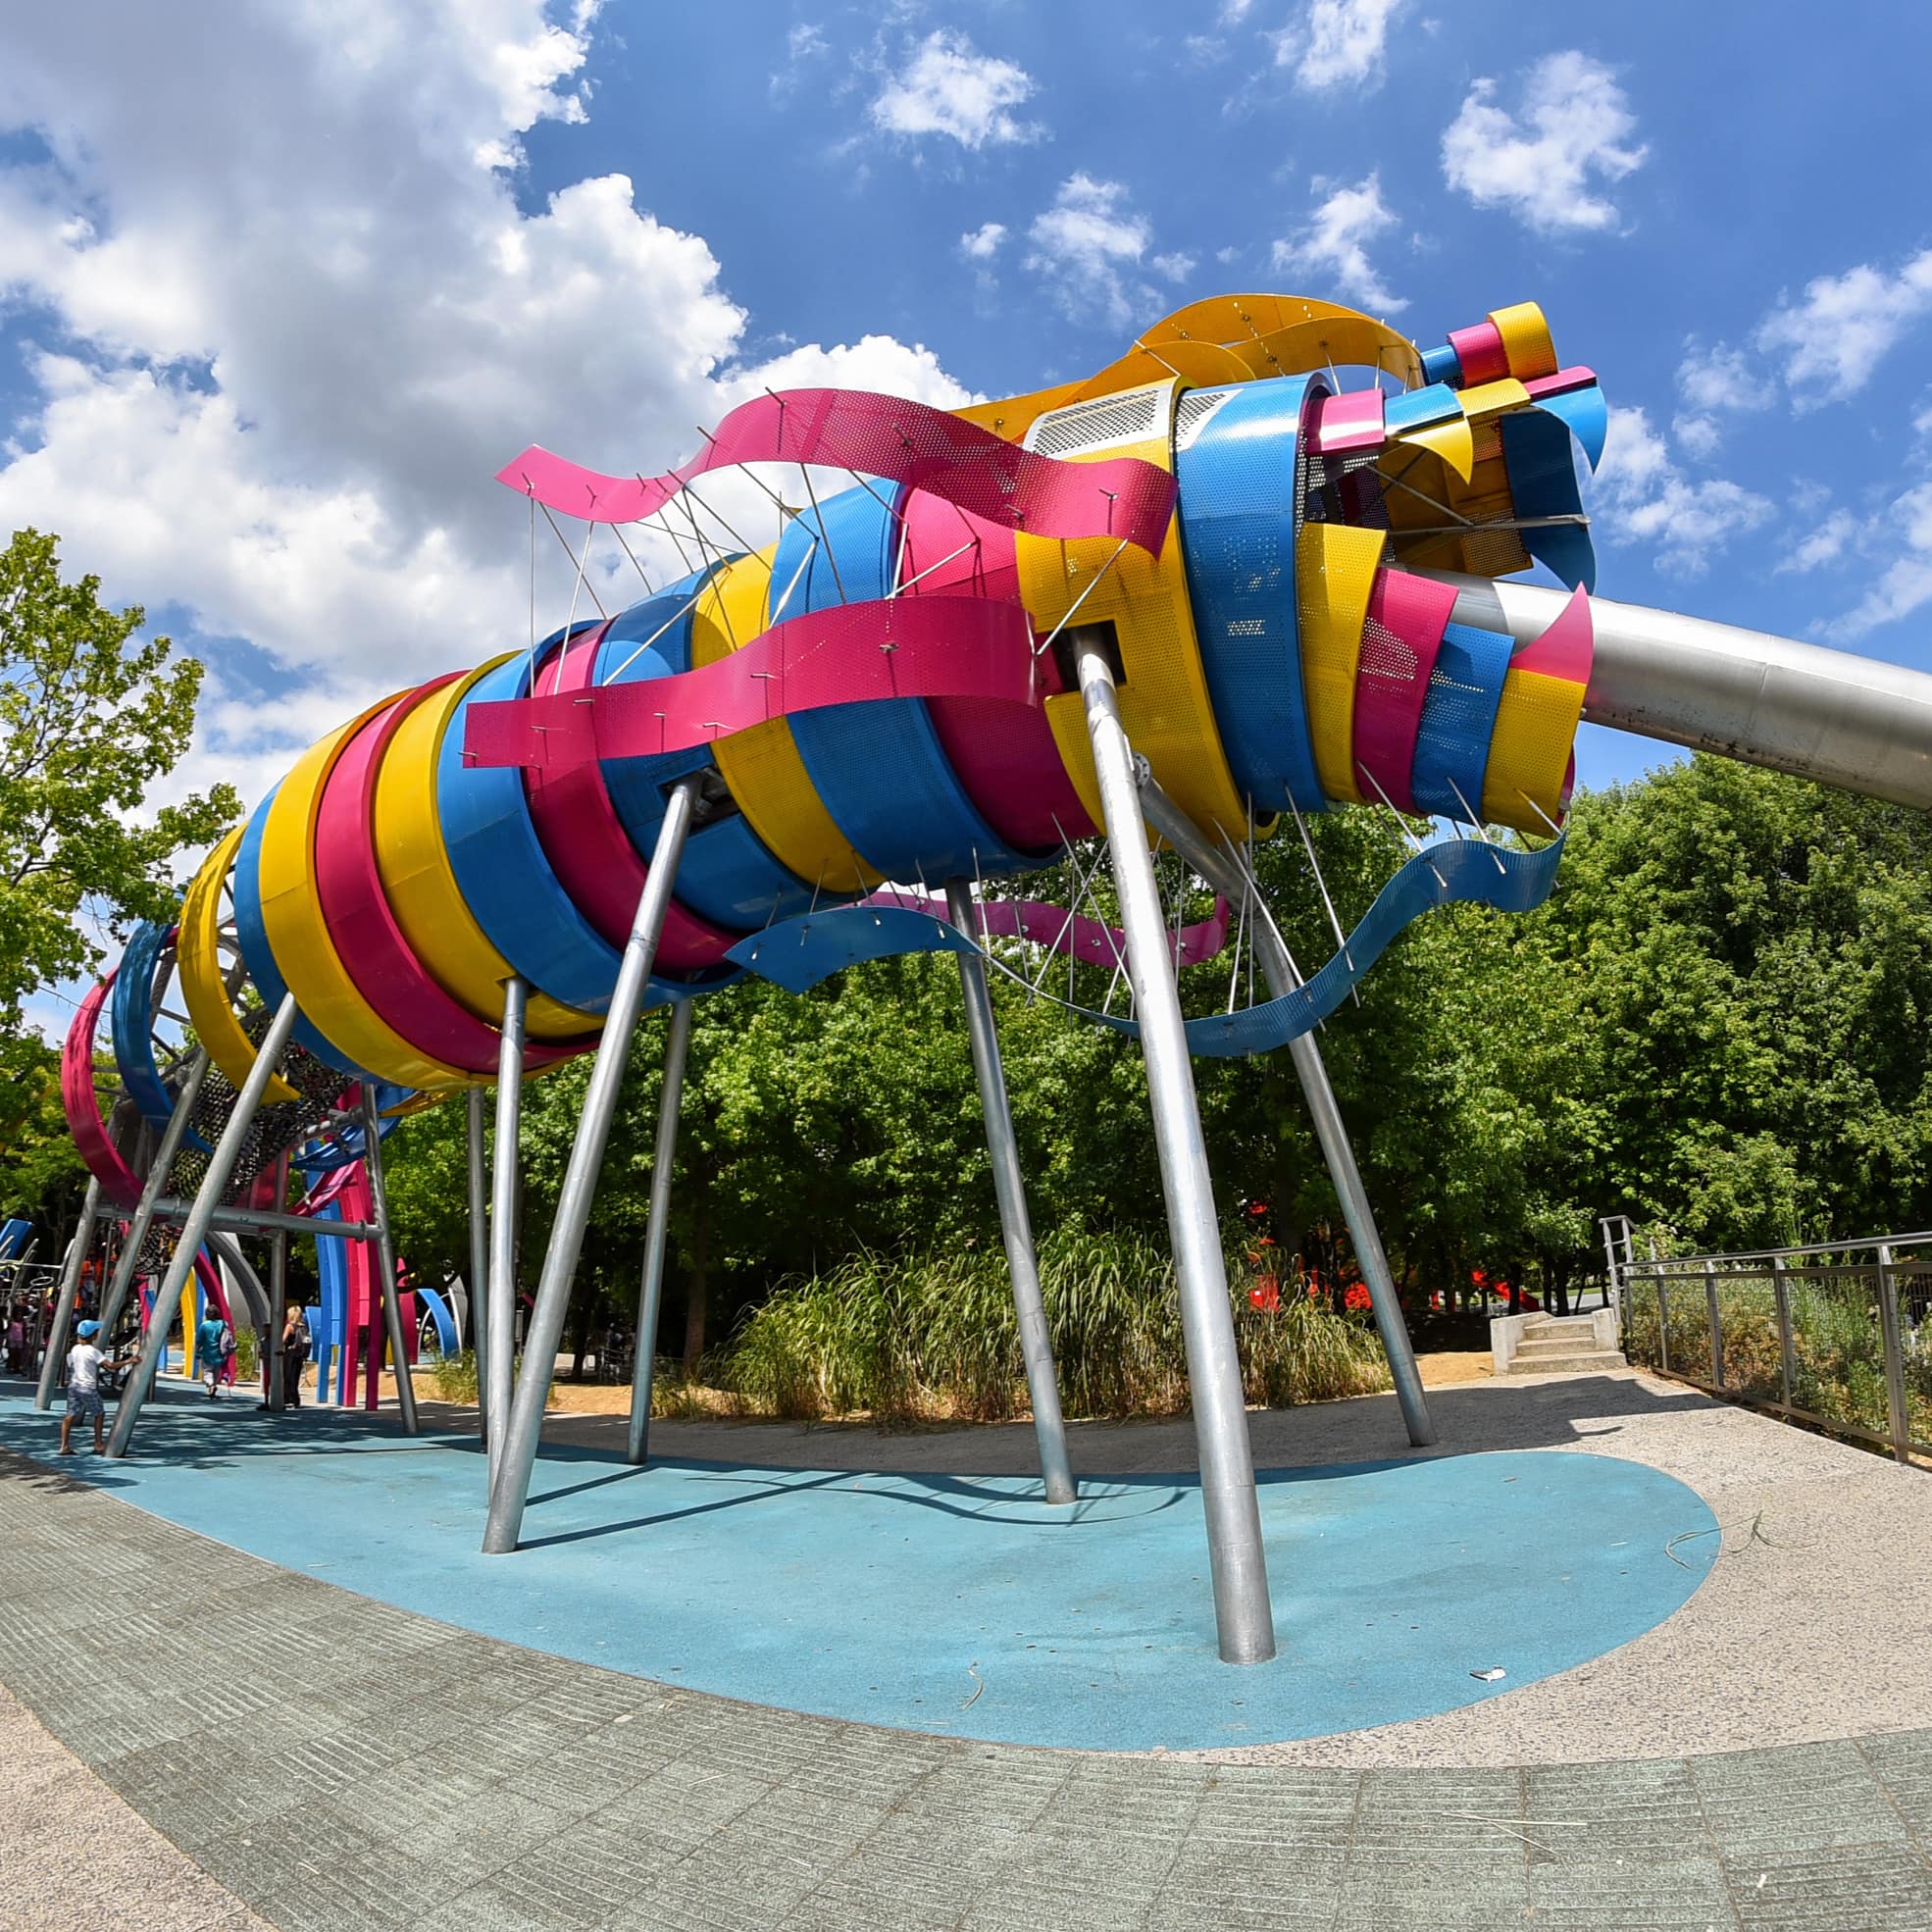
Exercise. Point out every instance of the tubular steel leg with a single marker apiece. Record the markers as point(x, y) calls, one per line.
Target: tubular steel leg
point(385, 1248)
point(200, 1217)
point(1242, 1613)
point(77, 1259)
point(1214, 864)
point(1015, 1225)
point(657, 1228)
point(278, 1317)
point(502, 1290)
point(587, 1156)
point(173, 1135)
point(479, 1262)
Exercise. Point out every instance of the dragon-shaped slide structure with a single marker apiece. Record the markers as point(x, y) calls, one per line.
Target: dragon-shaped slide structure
point(1251, 572)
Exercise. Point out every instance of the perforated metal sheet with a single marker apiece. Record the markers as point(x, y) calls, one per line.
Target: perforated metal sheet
point(1527, 782)
point(1238, 495)
point(1335, 569)
point(1453, 741)
point(880, 766)
point(801, 952)
point(1401, 638)
point(762, 766)
point(1164, 700)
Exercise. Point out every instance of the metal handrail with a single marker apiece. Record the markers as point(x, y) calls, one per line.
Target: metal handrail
point(1896, 1316)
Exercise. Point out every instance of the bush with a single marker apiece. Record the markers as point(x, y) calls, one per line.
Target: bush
point(455, 1376)
point(935, 1336)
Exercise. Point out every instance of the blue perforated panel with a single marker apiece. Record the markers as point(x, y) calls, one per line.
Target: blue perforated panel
point(879, 767)
point(800, 952)
point(1536, 453)
point(726, 875)
point(1453, 745)
point(1238, 532)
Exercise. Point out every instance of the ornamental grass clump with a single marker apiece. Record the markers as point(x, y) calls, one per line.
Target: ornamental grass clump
point(929, 1338)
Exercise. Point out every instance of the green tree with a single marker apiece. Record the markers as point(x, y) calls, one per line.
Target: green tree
point(91, 716)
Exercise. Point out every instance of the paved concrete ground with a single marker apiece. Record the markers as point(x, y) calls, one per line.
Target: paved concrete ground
point(73, 1854)
point(366, 1767)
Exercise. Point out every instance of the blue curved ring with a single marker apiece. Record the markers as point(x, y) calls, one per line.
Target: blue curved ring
point(134, 1041)
point(879, 767)
point(1238, 523)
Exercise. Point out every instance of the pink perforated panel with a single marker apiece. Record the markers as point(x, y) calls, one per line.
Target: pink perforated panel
point(1400, 642)
point(847, 654)
point(877, 435)
point(1006, 758)
point(1351, 421)
point(587, 848)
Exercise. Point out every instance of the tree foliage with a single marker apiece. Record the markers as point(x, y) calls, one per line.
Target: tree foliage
point(92, 715)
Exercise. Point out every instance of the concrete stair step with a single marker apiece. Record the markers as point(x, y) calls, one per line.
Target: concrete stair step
point(1581, 1361)
point(1558, 1345)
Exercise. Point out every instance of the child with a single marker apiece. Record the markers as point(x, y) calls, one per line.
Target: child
point(83, 1388)
point(214, 1340)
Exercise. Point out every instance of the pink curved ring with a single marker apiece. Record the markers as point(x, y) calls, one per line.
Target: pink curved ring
point(1007, 760)
point(1090, 941)
point(84, 1116)
point(379, 959)
point(1400, 643)
point(875, 435)
point(585, 842)
point(847, 654)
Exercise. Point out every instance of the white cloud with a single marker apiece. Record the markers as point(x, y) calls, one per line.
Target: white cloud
point(1906, 583)
point(1086, 245)
point(1337, 43)
point(1714, 382)
point(950, 88)
point(295, 343)
point(1548, 163)
point(1334, 245)
point(1824, 546)
point(1639, 495)
point(1829, 341)
point(981, 244)
point(1177, 267)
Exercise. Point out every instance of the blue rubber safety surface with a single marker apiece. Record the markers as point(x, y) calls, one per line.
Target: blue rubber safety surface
point(951, 1603)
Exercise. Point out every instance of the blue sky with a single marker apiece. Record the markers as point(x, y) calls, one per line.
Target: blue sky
point(279, 296)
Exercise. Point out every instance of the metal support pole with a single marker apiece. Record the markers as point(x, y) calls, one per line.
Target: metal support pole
point(1781, 1292)
point(502, 1290)
point(1219, 868)
point(386, 1249)
point(276, 1289)
point(254, 1221)
point(1664, 1311)
point(1015, 1224)
point(172, 1137)
point(1716, 1326)
point(511, 1489)
point(479, 1262)
point(77, 1259)
point(657, 1230)
point(1897, 1413)
point(1242, 1613)
point(195, 1231)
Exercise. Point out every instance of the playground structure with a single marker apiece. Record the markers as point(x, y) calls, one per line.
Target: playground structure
point(1174, 608)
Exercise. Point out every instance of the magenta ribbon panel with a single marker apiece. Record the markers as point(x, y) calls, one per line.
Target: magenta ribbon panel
point(875, 435)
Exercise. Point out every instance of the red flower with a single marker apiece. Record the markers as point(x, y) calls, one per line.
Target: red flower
point(1357, 1297)
point(1257, 1207)
point(1315, 1291)
point(1265, 1294)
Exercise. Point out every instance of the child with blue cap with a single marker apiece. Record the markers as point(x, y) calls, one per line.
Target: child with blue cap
point(84, 1361)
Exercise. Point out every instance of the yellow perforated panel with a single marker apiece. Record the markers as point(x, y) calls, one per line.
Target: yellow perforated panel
point(1335, 566)
point(299, 936)
point(762, 766)
point(421, 888)
point(198, 959)
point(1165, 703)
point(1525, 340)
point(1530, 749)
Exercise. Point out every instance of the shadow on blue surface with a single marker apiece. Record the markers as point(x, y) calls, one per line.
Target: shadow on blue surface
point(951, 1603)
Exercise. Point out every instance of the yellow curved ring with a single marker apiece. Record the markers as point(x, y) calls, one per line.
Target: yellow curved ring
point(198, 959)
point(1526, 343)
point(762, 766)
point(1335, 566)
point(421, 888)
point(298, 932)
point(1536, 726)
point(1165, 702)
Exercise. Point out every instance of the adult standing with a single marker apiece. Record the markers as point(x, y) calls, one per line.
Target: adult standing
point(295, 1341)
